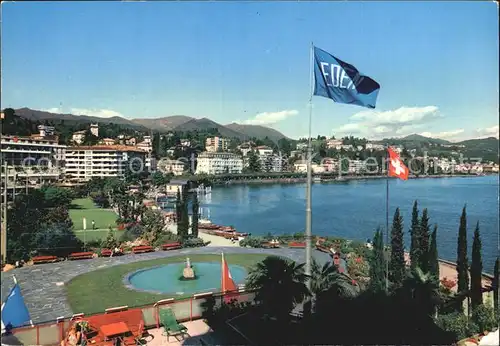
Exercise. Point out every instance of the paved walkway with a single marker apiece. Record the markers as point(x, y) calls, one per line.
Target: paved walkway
point(43, 285)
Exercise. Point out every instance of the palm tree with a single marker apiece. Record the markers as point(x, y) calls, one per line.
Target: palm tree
point(328, 279)
point(423, 290)
point(279, 284)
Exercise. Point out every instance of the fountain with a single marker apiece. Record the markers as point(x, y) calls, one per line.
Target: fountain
point(188, 272)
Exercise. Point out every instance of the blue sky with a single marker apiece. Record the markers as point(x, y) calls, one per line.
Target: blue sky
point(437, 63)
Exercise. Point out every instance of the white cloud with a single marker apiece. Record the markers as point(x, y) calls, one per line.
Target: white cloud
point(93, 112)
point(488, 132)
point(269, 118)
point(392, 123)
point(444, 135)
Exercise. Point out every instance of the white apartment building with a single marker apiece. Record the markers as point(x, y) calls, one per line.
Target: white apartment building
point(85, 162)
point(374, 146)
point(269, 162)
point(94, 129)
point(245, 148)
point(78, 137)
point(334, 144)
point(35, 160)
point(216, 144)
point(219, 163)
point(175, 167)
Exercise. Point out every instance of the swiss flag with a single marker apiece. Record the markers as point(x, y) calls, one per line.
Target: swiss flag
point(227, 283)
point(396, 167)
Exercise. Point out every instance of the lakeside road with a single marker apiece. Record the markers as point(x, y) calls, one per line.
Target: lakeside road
point(215, 241)
point(334, 179)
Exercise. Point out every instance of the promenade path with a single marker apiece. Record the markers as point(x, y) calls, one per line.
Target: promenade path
point(43, 288)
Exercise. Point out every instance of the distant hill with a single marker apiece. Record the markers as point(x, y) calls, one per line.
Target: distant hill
point(257, 131)
point(164, 123)
point(185, 123)
point(36, 115)
point(415, 140)
point(205, 124)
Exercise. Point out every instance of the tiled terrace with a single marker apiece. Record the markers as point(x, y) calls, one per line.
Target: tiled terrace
point(42, 285)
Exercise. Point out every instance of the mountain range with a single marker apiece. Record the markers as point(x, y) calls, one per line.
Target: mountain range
point(179, 123)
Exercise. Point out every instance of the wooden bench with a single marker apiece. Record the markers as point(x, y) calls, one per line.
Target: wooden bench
point(171, 246)
point(106, 252)
point(142, 249)
point(295, 244)
point(81, 255)
point(44, 259)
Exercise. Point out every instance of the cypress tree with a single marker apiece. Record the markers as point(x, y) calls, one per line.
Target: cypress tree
point(178, 210)
point(462, 261)
point(476, 270)
point(397, 268)
point(184, 229)
point(414, 258)
point(433, 256)
point(423, 241)
point(494, 285)
point(377, 263)
point(194, 222)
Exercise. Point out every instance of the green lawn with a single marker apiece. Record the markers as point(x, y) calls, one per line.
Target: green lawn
point(95, 291)
point(90, 235)
point(84, 208)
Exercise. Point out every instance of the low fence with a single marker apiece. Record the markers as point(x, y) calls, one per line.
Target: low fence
point(187, 309)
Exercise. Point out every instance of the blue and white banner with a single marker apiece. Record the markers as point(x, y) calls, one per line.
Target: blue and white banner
point(342, 82)
point(14, 311)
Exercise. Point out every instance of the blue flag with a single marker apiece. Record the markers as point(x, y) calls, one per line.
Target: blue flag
point(14, 311)
point(342, 82)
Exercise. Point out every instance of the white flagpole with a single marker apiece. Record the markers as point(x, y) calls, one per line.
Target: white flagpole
point(309, 179)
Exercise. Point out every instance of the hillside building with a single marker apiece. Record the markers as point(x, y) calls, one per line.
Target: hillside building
point(85, 162)
point(216, 144)
point(219, 163)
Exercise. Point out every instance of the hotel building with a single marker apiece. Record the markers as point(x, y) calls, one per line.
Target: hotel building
point(219, 163)
point(85, 162)
point(33, 160)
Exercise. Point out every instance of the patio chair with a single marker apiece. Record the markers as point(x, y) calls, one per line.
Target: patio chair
point(170, 325)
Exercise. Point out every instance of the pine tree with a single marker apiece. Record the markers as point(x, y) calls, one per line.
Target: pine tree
point(184, 226)
point(494, 285)
point(377, 263)
point(414, 253)
point(423, 241)
point(476, 270)
point(194, 222)
point(178, 210)
point(462, 261)
point(433, 256)
point(397, 268)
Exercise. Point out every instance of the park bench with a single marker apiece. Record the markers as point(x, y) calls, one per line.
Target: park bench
point(171, 246)
point(44, 259)
point(109, 252)
point(81, 255)
point(142, 249)
point(296, 244)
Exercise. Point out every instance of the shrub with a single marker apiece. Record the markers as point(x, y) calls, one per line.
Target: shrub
point(252, 242)
point(194, 242)
point(484, 317)
point(166, 238)
point(132, 233)
point(456, 323)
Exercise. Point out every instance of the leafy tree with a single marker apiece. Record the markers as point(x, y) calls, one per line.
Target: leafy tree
point(494, 285)
point(414, 232)
point(132, 232)
point(280, 285)
point(462, 261)
point(423, 241)
point(484, 318)
point(253, 162)
point(57, 216)
point(476, 270)
point(154, 224)
point(194, 222)
point(377, 264)
point(159, 179)
point(397, 266)
point(56, 196)
point(56, 240)
point(433, 256)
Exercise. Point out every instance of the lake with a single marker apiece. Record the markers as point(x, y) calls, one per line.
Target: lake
point(355, 209)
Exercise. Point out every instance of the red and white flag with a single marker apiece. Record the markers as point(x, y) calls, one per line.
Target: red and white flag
point(396, 166)
point(228, 284)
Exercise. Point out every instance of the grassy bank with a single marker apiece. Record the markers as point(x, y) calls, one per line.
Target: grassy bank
point(95, 291)
point(85, 208)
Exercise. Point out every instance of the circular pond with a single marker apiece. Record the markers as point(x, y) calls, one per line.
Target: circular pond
point(168, 278)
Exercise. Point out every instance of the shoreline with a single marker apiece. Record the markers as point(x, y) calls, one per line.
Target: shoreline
point(335, 179)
